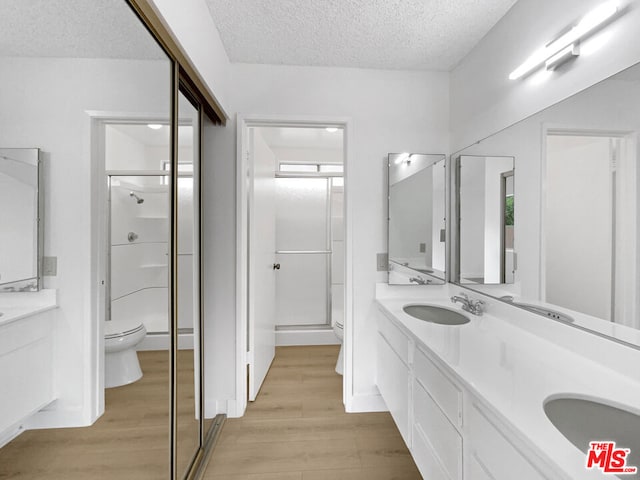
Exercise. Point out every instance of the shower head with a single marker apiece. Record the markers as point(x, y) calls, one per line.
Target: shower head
point(138, 199)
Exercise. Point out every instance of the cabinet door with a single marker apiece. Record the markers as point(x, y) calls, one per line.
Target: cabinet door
point(501, 459)
point(393, 383)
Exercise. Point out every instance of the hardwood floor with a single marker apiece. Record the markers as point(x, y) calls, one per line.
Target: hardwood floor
point(297, 429)
point(130, 441)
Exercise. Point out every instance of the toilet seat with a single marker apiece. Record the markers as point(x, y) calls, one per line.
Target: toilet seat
point(121, 327)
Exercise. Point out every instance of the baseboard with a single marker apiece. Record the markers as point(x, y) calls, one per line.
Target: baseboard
point(306, 337)
point(366, 403)
point(10, 433)
point(160, 341)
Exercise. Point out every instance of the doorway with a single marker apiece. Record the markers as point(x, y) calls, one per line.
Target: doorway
point(589, 213)
point(292, 219)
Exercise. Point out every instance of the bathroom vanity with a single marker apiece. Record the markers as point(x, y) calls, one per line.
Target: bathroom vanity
point(26, 357)
point(469, 400)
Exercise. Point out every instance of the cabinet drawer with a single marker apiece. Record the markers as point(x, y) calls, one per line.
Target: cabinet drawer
point(398, 341)
point(446, 442)
point(425, 458)
point(495, 452)
point(445, 393)
point(393, 383)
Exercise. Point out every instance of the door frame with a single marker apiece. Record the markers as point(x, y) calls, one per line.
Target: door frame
point(244, 122)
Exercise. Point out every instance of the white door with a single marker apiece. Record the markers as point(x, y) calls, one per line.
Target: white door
point(262, 248)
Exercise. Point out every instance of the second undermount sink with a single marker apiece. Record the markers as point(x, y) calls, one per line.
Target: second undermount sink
point(435, 314)
point(582, 421)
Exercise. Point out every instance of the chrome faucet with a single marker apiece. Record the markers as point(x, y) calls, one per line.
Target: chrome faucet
point(419, 280)
point(472, 306)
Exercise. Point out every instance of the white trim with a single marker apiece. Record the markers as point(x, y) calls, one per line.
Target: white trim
point(367, 403)
point(316, 336)
point(243, 122)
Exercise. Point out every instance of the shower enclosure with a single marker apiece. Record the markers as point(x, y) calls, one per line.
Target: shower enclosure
point(138, 253)
point(309, 252)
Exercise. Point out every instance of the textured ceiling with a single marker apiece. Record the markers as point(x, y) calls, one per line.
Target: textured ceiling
point(74, 28)
point(386, 34)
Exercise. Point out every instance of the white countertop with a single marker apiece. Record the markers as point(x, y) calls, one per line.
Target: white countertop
point(17, 305)
point(514, 370)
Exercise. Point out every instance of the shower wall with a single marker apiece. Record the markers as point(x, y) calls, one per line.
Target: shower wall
point(139, 242)
point(138, 262)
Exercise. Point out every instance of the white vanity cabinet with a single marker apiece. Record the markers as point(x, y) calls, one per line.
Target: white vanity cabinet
point(491, 453)
point(393, 373)
point(26, 370)
point(437, 416)
point(442, 422)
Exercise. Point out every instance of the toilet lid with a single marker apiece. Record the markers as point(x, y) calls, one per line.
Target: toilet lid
point(120, 327)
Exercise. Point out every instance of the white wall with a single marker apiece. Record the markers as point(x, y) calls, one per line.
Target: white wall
point(578, 224)
point(391, 111)
point(191, 23)
point(484, 100)
point(44, 102)
point(472, 201)
point(308, 155)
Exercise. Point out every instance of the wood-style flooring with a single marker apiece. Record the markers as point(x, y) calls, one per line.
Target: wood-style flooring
point(297, 429)
point(130, 441)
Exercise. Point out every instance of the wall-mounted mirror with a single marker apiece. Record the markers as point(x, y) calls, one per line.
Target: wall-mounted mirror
point(416, 218)
point(485, 207)
point(575, 225)
point(20, 229)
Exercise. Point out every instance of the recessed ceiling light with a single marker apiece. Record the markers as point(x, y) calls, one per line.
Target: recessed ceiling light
point(331, 129)
point(154, 126)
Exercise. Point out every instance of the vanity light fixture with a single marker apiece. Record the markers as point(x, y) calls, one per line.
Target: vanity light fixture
point(331, 129)
point(565, 47)
point(154, 126)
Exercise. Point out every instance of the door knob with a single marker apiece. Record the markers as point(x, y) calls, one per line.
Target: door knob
point(276, 266)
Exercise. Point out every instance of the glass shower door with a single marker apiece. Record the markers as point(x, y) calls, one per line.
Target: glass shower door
point(303, 252)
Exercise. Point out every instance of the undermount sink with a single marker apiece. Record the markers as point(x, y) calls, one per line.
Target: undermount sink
point(582, 421)
point(435, 314)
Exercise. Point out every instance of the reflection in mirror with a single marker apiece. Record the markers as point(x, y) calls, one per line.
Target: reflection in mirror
point(485, 219)
point(576, 224)
point(20, 231)
point(416, 219)
point(70, 68)
point(187, 359)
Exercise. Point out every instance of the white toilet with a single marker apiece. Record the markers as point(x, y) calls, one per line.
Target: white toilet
point(121, 360)
point(338, 329)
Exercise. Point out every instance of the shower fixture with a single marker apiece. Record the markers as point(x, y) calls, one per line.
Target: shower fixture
point(138, 199)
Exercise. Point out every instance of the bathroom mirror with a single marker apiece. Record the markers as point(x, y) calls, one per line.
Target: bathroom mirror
point(575, 227)
point(416, 226)
point(20, 228)
point(485, 213)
